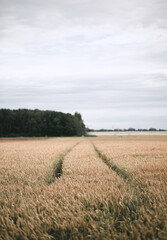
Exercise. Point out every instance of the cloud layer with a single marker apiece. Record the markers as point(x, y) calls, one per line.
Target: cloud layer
point(105, 59)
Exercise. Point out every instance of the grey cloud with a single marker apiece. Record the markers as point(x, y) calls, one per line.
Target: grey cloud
point(86, 12)
point(93, 93)
point(106, 59)
point(157, 14)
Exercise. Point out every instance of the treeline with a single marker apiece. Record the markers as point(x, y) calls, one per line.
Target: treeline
point(28, 123)
point(125, 130)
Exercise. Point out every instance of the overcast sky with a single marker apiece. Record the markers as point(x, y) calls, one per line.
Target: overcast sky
point(106, 59)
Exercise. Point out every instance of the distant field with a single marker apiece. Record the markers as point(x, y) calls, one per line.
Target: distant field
point(108, 187)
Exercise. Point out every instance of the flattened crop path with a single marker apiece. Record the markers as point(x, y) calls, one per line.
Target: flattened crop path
point(56, 170)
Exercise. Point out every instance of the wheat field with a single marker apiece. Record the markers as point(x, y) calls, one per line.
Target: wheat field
point(109, 187)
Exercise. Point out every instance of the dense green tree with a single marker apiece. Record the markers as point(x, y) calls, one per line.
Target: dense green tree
point(24, 122)
point(79, 125)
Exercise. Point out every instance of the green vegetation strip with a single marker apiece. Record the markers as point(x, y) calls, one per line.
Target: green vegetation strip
point(121, 172)
point(57, 170)
point(129, 177)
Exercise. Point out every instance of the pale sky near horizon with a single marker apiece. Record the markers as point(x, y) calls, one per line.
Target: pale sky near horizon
point(106, 59)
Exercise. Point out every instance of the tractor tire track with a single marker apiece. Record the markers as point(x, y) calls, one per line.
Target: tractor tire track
point(56, 169)
point(121, 172)
point(141, 196)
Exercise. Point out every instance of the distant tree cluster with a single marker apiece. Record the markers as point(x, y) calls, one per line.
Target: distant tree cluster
point(25, 122)
point(124, 130)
